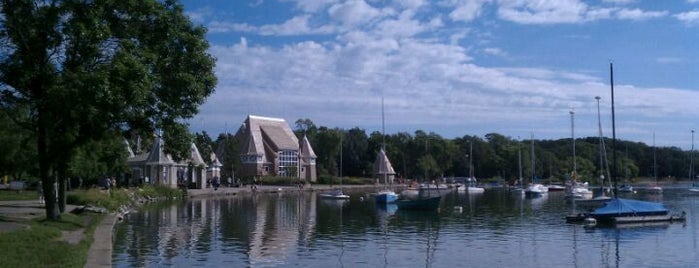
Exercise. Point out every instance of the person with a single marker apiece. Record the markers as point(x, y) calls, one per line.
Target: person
point(40, 191)
point(230, 182)
point(217, 182)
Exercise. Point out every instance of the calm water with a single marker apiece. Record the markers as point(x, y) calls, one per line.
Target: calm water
point(494, 229)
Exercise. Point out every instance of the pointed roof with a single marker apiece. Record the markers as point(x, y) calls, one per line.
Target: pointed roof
point(156, 155)
point(216, 163)
point(382, 165)
point(273, 131)
point(306, 151)
point(128, 149)
point(195, 156)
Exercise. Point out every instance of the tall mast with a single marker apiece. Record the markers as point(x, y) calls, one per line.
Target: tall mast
point(572, 131)
point(691, 161)
point(614, 167)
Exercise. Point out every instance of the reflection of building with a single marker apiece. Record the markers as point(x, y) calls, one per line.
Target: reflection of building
point(269, 147)
point(157, 167)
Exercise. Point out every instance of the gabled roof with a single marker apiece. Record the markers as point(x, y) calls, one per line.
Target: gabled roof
point(128, 149)
point(305, 149)
point(215, 161)
point(156, 155)
point(195, 156)
point(382, 165)
point(258, 130)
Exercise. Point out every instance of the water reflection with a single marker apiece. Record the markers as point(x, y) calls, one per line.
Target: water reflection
point(494, 229)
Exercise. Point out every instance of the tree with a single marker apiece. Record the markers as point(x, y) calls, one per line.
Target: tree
point(87, 69)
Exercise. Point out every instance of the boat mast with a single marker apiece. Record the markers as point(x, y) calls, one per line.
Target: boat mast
point(614, 166)
point(572, 133)
point(383, 165)
point(655, 166)
point(532, 162)
point(691, 161)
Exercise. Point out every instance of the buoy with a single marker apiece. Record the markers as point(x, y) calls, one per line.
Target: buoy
point(361, 198)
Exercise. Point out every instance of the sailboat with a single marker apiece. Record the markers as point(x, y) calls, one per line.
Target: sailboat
point(383, 167)
point(620, 210)
point(336, 193)
point(575, 189)
point(695, 185)
point(534, 189)
point(470, 185)
point(656, 189)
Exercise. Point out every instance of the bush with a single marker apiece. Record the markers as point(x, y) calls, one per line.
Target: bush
point(115, 198)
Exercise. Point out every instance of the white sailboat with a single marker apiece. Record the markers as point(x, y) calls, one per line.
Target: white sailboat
point(384, 167)
point(656, 189)
point(470, 185)
point(695, 186)
point(575, 189)
point(336, 193)
point(534, 189)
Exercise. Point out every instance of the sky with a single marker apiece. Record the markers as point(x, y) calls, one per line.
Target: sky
point(457, 67)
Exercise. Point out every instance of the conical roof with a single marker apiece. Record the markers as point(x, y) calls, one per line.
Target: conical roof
point(382, 165)
point(195, 156)
point(306, 151)
point(156, 155)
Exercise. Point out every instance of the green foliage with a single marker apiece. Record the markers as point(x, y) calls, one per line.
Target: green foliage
point(18, 195)
point(73, 72)
point(40, 244)
point(113, 199)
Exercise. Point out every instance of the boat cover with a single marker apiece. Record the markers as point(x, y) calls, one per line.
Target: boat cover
point(629, 207)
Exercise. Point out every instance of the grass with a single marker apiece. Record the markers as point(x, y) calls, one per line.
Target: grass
point(40, 244)
point(6, 195)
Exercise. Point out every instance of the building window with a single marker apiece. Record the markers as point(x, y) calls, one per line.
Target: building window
point(288, 163)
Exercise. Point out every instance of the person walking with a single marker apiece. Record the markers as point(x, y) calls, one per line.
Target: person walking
point(40, 191)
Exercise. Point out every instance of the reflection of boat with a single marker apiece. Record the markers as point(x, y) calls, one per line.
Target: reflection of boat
point(387, 209)
point(338, 202)
point(556, 188)
point(334, 194)
point(626, 188)
point(430, 203)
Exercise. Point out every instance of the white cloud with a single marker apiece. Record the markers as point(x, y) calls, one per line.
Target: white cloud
point(542, 11)
point(353, 13)
point(311, 6)
point(621, 2)
point(638, 14)
point(467, 10)
point(688, 17)
point(295, 26)
point(494, 51)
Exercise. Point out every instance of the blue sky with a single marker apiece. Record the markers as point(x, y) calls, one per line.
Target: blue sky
point(457, 67)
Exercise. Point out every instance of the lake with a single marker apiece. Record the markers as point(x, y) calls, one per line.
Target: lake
point(493, 229)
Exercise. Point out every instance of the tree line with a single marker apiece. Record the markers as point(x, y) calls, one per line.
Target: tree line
point(495, 157)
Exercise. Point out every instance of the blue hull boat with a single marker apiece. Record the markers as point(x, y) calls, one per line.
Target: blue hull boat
point(386, 197)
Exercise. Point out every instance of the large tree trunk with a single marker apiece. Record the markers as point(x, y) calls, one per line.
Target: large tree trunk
point(47, 180)
point(61, 190)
